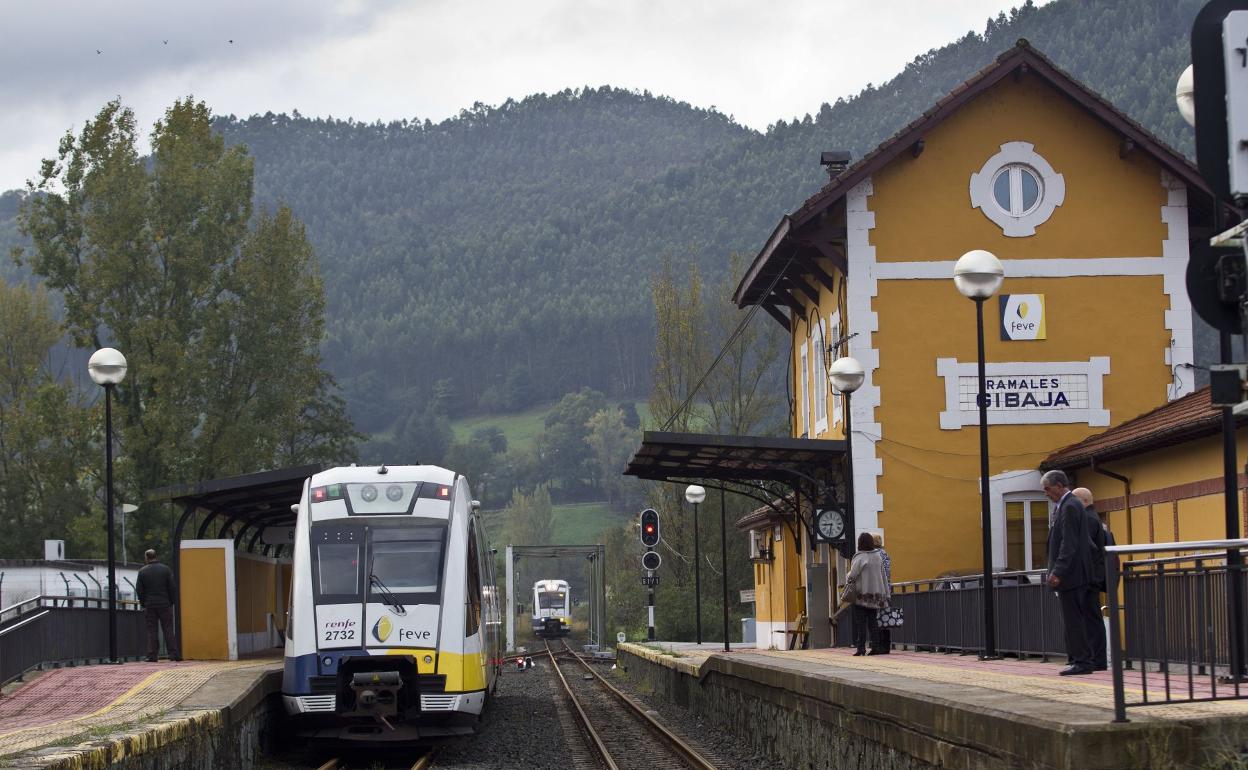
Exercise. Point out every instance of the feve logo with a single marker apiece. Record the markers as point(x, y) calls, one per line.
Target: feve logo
point(382, 629)
point(1023, 317)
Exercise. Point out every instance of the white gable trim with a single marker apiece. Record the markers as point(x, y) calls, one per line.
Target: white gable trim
point(1179, 356)
point(862, 319)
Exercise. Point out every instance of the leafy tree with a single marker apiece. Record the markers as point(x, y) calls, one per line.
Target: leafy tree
point(562, 445)
point(220, 319)
point(611, 443)
point(48, 438)
point(426, 437)
point(492, 436)
point(628, 412)
point(528, 519)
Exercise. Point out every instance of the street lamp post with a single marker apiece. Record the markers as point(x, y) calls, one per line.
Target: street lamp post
point(696, 494)
point(107, 367)
point(126, 508)
point(978, 275)
point(847, 375)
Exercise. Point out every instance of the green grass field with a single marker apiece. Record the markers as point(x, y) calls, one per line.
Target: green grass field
point(520, 428)
point(582, 523)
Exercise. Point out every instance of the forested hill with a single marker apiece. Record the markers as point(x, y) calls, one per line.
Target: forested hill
point(507, 252)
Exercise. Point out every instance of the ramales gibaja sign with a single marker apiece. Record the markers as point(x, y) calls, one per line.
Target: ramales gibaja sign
point(1025, 393)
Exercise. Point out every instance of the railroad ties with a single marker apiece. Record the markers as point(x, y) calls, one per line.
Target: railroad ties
point(423, 762)
point(619, 728)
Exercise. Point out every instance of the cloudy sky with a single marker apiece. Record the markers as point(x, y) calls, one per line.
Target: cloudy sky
point(759, 60)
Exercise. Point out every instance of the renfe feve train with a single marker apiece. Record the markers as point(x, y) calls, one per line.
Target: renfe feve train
point(552, 608)
point(393, 627)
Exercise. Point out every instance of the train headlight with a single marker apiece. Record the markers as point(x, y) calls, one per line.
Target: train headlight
point(394, 493)
point(368, 493)
point(428, 659)
point(327, 661)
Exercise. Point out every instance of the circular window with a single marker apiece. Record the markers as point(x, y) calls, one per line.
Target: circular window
point(1017, 189)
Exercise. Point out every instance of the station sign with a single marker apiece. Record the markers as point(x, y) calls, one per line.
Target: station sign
point(278, 535)
point(1025, 393)
point(747, 596)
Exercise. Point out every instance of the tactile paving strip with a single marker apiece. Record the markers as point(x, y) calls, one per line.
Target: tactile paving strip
point(70, 703)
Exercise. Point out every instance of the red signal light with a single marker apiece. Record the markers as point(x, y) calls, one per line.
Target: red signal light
point(444, 491)
point(650, 528)
point(319, 494)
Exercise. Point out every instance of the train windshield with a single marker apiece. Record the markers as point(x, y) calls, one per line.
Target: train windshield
point(338, 565)
point(407, 561)
point(408, 567)
point(400, 563)
point(548, 600)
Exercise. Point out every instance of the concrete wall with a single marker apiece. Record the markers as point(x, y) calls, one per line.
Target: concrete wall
point(877, 722)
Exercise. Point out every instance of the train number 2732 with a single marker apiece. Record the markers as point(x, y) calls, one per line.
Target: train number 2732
point(336, 635)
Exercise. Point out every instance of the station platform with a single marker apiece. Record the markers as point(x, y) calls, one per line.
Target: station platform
point(88, 716)
point(946, 710)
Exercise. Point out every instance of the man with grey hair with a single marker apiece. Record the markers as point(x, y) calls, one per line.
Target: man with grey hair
point(1070, 570)
point(1099, 538)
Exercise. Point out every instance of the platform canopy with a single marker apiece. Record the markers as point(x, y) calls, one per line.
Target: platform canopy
point(247, 503)
point(679, 457)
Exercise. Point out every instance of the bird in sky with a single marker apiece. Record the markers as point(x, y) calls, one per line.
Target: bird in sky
point(231, 42)
point(166, 42)
point(98, 51)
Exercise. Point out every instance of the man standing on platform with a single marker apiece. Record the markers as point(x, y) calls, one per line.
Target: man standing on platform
point(1100, 537)
point(157, 591)
point(1070, 569)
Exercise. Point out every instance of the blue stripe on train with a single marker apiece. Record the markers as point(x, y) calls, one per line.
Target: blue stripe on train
point(299, 670)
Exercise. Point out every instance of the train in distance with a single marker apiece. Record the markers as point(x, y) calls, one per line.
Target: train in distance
point(393, 619)
point(552, 608)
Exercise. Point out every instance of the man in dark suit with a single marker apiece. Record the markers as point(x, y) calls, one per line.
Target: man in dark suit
point(158, 593)
point(1099, 538)
point(1070, 569)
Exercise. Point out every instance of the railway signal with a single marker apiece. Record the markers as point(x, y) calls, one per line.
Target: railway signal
point(650, 528)
point(650, 560)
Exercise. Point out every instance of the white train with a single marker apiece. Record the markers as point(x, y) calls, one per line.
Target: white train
point(552, 608)
point(393, 624)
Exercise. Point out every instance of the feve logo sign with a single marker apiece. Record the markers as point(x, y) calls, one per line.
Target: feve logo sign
point(382, 629)
point(1022, 317)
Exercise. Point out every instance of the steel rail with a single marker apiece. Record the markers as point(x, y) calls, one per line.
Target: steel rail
point(589, 728)
point(423, 763)
point(687, 752)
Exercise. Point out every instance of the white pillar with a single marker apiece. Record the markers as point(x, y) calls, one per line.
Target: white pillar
point(511, 605)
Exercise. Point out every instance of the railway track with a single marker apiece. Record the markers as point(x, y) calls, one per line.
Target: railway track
point(618, 728)
point(424, 762)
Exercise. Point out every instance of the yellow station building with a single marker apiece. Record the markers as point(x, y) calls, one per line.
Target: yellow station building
point(1091, 217)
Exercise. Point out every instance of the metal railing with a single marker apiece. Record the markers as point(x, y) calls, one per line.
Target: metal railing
point(946, 614)
point(65, 630)
point(1174, 617)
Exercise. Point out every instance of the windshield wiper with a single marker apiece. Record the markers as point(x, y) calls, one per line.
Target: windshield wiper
point(385, 594)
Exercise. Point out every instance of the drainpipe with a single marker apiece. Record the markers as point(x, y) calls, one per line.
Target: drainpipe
point(1126, 499)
